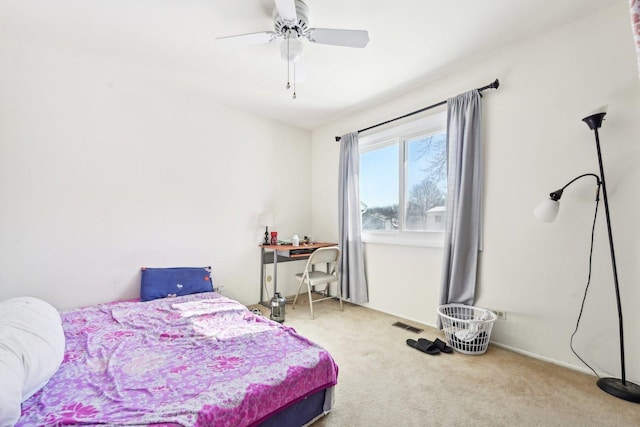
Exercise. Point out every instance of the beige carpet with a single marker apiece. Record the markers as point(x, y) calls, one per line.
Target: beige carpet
point(384, 382)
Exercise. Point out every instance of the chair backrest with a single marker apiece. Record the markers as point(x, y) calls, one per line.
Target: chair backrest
point(324, 255)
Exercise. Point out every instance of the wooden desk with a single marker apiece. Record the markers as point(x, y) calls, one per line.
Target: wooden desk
point(274, 254)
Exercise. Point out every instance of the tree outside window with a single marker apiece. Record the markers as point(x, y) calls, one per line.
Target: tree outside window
point(426, 182)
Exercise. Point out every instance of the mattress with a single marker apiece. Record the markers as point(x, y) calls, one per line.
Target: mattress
point(195, 360)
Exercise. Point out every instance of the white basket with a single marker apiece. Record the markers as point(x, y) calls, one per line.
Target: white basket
point(467, 328)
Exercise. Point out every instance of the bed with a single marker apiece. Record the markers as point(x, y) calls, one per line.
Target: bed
point(194, 360)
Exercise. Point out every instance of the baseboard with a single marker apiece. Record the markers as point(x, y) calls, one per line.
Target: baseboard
point(548, 359)
point(508, 347)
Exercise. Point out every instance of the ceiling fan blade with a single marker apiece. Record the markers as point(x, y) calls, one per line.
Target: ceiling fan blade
point(348, 38)
point(287, 9)
point(243, 40)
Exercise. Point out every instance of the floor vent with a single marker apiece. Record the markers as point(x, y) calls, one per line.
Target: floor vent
point(408, 327)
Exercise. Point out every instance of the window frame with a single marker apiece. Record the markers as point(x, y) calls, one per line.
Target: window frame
point(433, 124)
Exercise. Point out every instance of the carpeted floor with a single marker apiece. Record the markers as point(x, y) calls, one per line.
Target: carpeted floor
point(384, 382)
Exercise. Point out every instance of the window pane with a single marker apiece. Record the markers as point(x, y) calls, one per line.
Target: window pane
point(379, 188)
point(426, 183)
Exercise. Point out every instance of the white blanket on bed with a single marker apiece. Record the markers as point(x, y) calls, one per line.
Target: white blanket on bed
point(31, 351)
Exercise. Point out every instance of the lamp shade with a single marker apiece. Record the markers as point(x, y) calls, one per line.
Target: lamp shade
point(547, 210)
point(266, 219)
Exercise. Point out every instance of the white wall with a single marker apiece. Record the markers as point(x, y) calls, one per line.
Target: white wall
point(535, 142)
point(105, 168)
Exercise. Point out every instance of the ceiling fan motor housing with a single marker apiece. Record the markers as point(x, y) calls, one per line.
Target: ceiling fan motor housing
point(300, 26)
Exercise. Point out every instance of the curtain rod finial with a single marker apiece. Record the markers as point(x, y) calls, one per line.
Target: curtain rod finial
point(338, 138)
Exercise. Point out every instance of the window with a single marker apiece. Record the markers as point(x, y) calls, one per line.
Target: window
point(403, 183)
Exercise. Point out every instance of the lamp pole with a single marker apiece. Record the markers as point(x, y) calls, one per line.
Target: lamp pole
point(614, 386)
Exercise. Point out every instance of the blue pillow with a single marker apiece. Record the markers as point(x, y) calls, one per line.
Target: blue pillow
point(177, 281)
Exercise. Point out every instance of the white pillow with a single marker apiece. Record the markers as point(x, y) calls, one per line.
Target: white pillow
point(31, 351)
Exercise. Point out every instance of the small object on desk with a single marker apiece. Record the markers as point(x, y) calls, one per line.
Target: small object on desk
point(274, 237)
point(295, 240)
point(266, 219)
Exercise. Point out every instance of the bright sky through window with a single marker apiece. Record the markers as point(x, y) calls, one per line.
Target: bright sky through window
point(403, 178)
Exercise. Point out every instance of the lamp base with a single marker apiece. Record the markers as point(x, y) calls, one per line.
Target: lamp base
point(614, 386)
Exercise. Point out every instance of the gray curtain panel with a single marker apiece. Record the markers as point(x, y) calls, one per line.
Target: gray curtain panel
point(463, 227)
point(352, 279)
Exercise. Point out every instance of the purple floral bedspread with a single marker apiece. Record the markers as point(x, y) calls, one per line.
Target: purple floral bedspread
point(197, 360)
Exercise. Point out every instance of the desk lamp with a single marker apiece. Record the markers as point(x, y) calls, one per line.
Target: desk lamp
point(547, 211)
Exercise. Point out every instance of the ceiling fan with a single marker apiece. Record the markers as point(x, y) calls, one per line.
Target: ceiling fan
point(291, 25)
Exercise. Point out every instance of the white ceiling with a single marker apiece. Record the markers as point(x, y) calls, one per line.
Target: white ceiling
point(411, 41)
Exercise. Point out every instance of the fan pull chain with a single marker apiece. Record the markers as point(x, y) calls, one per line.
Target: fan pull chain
point(294, 80)
point(290, 63)
point(288, 59)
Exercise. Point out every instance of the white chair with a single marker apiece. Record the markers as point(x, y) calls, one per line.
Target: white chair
point(329, 256)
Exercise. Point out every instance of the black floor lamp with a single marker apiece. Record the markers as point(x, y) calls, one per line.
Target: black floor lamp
point(547, 212)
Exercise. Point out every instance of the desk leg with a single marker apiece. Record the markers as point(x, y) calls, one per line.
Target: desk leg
point(275, 272)
point(261, 275)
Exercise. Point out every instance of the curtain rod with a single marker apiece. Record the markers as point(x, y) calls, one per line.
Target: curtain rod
point(493, 85)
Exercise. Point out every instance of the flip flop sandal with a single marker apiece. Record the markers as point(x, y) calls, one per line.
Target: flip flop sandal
point(424, 346)
point(442, 346)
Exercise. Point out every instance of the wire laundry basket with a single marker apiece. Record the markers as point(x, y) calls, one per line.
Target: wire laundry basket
point(467, 328)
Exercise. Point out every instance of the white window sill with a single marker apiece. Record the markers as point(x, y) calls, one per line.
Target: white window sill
point(433, 239)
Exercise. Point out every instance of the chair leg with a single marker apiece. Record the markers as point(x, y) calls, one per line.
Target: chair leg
point(297, 293)
point(310, 299)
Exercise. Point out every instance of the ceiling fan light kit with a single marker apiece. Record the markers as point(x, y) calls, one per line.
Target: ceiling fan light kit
point(291, 24)
point(291, 49)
